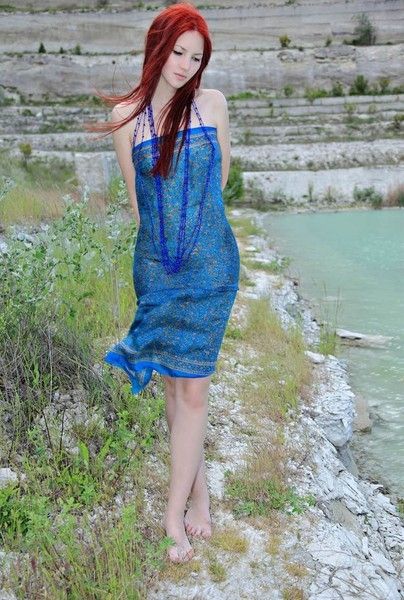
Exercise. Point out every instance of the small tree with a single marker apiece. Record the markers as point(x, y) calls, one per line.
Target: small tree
point(284, 40)
point(26, 151)
point(288, 90)
point(360, 86)
point(337, 89)
point(41, 49)
point(364, 31)
point(77, 49)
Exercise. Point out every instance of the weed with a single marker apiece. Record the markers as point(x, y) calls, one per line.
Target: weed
point(284, 40)
point(364, 31)
point(368, 195)
point(234, 190)
point(230, 540)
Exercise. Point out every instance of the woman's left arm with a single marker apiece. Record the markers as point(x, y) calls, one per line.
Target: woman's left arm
point(223, 133)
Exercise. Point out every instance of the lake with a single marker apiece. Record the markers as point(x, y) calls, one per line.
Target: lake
point(350, 264)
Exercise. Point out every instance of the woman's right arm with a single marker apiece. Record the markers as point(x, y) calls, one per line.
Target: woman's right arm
point(122, 139)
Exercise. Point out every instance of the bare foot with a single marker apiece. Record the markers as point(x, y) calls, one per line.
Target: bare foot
point(182, 551)
point(197, 520)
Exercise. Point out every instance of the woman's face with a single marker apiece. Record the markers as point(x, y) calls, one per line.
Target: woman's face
point(185, 59)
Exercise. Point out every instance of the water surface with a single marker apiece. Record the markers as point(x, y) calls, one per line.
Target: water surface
point(351, 264)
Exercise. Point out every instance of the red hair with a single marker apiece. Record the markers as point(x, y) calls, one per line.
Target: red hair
point(165, 29)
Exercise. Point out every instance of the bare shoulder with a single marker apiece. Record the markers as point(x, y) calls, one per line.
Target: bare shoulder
point(214, 105)
point(212, 97)
point(122, 111)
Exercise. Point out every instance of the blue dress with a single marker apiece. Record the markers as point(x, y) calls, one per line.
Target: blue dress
point(180, 316)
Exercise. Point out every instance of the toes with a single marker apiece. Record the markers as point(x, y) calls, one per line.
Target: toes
point(178, 554)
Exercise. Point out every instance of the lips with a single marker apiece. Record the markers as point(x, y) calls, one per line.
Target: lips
point(182, 77)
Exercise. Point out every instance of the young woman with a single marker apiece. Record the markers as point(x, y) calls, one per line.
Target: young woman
point(172, 143)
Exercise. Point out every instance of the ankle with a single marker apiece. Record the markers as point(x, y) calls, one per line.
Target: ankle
point(173, 516)
point(200, 498)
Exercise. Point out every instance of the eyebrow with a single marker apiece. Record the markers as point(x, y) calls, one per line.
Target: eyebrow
point(195, 53)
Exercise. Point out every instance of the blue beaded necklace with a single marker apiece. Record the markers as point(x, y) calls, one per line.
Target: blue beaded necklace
point(184, 248)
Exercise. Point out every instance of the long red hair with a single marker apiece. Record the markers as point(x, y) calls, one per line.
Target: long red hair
point(165, 29)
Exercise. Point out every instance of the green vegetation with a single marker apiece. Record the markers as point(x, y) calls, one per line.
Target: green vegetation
point(37, 187)
point(41, 49)
point(65, 295)
point(360, 86)
point(284, 369)
point(364, 31)
point(284, 40)
point(26, 151)
point(368, 195)
point(329, 341)
point(288, 90)
point(255, 496)
point(249, 95)
point(271, 267)
point(234, 190)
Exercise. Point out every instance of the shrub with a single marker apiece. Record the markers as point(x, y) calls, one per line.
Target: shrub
point(328, 41)
point(369, 195)
point(284, 40)
point(364, 30)
point(395, 196)
point(360, 86)
point(384, 83)
point(397, 121)
point(26, 151)
point(288, 90)
point(234, 189)
point(337, 89)
point(77, 49)
point(313, 93)
point(41, 49)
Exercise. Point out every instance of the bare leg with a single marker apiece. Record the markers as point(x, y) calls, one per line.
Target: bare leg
point(188, 430)
point(197, 519)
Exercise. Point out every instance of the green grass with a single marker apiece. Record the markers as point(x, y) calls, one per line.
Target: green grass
point(64, 299)
point(273, 266)
point(284, 369)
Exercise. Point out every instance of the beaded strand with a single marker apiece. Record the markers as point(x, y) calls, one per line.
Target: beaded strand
point(183, 250)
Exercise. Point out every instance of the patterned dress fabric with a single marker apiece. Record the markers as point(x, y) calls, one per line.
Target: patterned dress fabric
point(180, 317)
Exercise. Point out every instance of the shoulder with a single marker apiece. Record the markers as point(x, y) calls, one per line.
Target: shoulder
point(122, 111)
point(212, 97)
point(213, 103)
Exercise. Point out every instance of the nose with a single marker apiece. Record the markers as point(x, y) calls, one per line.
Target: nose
point(185, 63)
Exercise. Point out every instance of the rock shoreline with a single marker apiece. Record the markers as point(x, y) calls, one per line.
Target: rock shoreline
point(357, 543)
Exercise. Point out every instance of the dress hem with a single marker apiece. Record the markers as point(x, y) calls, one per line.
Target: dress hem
point(138, 380)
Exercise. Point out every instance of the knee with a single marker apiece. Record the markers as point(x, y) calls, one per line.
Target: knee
point(192, 397)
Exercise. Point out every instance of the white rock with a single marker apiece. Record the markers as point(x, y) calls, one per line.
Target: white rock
point(7, 476)
point(315, 357)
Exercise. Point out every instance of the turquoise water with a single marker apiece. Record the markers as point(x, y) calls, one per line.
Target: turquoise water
point(351, 265)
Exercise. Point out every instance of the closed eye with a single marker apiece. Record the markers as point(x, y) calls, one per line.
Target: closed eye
point(180, 54)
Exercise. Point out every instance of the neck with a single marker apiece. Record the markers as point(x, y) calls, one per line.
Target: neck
point(162, 94)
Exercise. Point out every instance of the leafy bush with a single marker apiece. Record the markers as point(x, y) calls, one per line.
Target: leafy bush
point(360, 86)
point(337, 89)
point(284, 40)
point(313, 93)
point(41, 49)
point(288, 90)
point(364, 31)
point(56, 288)
point(369, 195)
point(234, 189)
